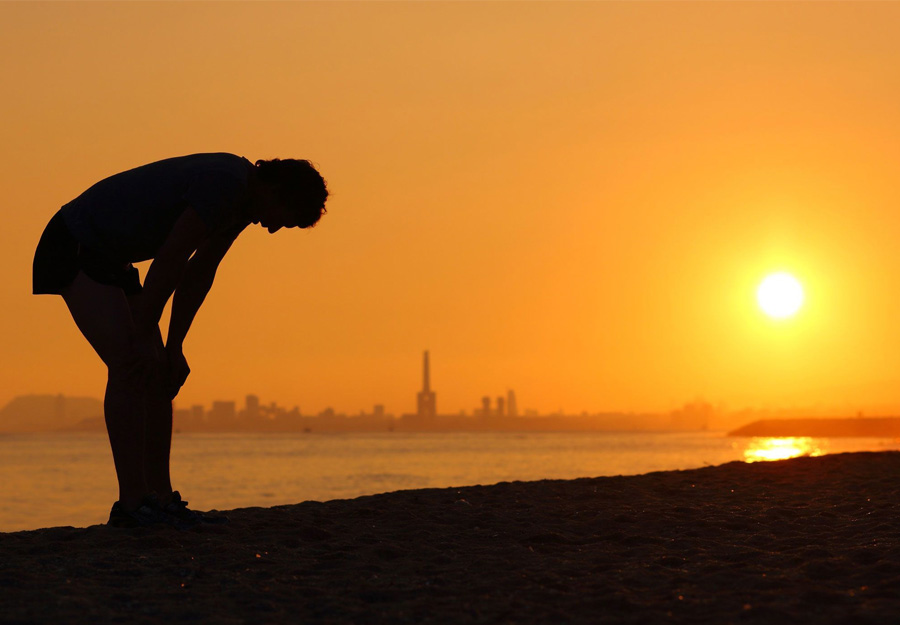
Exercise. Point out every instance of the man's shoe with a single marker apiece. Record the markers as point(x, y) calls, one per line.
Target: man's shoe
point(178, 509)
point(147, 514)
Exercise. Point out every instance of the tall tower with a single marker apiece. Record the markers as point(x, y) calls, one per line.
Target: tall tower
point(426, 404)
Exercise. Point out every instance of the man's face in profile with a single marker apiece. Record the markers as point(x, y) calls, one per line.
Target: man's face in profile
point(273, 212)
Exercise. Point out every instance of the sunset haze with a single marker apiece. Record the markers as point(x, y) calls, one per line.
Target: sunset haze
point(576, 201)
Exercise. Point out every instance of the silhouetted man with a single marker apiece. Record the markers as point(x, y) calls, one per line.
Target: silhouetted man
point(184, 213)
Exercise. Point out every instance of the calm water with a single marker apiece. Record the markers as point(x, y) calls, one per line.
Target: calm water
point(69, 479)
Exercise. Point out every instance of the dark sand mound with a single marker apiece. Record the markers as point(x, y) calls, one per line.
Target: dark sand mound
point(804, 540)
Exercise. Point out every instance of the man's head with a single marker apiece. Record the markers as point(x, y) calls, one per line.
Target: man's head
point(290, 193)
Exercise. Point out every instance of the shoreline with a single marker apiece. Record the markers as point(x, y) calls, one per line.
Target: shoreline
point(774, 542)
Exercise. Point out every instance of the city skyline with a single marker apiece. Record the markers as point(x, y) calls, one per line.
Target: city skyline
point(425, 402)
point(498, 406)
point(497, 412)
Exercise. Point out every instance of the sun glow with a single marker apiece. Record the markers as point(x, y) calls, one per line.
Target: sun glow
point(762, 449)
point(780, 295)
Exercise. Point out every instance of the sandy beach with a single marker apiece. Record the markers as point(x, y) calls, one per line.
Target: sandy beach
point(802, 540)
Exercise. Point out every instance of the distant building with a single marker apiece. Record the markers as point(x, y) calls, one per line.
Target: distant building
point(500, 407)
point(427, 404)
point(252, 409)
point(223, 412)
point(511, 408)
point(181, 416)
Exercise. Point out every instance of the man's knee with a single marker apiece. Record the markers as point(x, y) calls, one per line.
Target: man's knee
point(136, 367)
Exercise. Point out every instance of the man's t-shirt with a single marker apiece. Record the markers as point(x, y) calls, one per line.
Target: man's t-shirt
point(127, 217)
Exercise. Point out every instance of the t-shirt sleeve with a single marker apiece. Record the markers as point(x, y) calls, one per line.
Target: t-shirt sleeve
point(217, 197)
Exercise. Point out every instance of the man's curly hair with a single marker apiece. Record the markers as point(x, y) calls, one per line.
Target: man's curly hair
point(299, 185)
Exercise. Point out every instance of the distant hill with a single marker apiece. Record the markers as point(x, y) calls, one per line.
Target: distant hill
point(48, 413)
point(887, 427)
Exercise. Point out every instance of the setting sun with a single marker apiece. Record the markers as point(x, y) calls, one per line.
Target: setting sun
point(780, 295)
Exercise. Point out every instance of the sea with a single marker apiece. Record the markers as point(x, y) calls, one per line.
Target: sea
point(49, 480)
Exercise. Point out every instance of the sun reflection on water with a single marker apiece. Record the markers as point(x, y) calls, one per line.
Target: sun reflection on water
point(766, 448)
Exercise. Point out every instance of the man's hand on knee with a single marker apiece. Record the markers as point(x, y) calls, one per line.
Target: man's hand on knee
point(178, 371)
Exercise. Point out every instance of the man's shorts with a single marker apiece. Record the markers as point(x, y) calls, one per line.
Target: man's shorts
point(59, 257)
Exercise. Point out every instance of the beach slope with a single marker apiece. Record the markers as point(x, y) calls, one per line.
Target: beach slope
point(802, 540)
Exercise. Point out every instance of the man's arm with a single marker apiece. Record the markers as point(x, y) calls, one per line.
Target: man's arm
point(195, 284)
point(165, 272)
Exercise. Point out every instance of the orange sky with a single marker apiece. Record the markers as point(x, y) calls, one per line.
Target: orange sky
point(572, 200)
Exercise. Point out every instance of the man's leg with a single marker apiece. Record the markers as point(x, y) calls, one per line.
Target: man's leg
point(158, 427)
point(104, 317)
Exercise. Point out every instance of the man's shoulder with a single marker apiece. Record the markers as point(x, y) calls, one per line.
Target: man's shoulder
point(208, 161)
point(224, 158)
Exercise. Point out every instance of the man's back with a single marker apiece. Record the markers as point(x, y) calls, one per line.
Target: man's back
point(129, 215)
